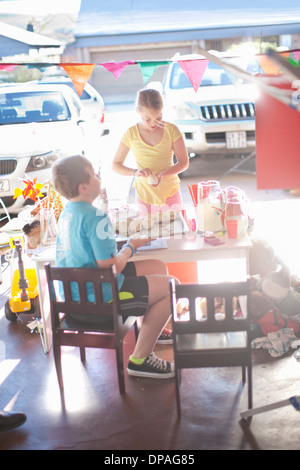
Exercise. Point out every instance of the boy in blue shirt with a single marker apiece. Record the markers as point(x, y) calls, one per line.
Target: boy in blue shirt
point(86, 239)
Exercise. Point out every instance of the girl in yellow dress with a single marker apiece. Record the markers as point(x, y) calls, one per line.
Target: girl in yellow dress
point(153, 143)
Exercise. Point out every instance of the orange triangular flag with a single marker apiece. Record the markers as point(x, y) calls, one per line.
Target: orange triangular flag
point(268, 66)
point(79, 74)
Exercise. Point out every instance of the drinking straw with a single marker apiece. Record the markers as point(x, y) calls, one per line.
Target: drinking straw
point(192, 196)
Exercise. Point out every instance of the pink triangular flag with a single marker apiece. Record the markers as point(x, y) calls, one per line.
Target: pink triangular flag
point(116, 68)
point(7, 67)
point(194, 70)
point(297, 55)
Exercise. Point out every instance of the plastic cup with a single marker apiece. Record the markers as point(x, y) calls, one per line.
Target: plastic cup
point(233, 208)
point(231, 226)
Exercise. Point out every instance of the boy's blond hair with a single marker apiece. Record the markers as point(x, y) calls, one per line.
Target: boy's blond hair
point(68, 173)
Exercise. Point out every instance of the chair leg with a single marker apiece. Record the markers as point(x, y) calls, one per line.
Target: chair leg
point(120, 367)
point(82, 354)
point(58, 367)
point(244, 374)
point(137, 328)
point(250, 387)
point(177, 385)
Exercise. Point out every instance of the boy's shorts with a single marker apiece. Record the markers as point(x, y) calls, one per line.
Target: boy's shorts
point(133, 293)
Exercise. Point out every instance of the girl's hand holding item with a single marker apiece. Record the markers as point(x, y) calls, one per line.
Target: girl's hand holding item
point(143, 172)
point(154, 180)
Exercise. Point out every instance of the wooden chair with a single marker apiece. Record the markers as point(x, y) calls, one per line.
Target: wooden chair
point(211, 340)
point(68, 317)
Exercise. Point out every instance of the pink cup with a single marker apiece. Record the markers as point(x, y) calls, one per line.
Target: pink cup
point(232, 225)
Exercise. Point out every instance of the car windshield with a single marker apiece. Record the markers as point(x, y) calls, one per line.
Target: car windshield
point(31, 106)
point(213, 75)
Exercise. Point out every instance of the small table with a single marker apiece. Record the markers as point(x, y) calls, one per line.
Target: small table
point(189, 246)
point(192, 247)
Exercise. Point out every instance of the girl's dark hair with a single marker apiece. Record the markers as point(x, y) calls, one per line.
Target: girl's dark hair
point(68, 173)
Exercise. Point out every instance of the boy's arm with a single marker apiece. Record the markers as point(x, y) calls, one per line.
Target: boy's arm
point(121, 258)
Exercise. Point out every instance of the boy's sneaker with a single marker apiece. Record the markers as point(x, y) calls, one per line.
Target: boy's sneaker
point(166, 337)
point(152, 367)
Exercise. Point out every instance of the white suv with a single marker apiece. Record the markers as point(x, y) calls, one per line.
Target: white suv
point(219, 119)
point(38, 124)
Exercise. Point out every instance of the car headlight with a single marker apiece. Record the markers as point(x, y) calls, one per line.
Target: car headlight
point(42, 162)
point(184, 111)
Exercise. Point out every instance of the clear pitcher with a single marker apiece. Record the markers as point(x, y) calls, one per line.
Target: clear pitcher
point(48, 226)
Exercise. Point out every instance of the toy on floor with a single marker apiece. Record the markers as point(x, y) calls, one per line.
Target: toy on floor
point(274, 298)
point(24, 291)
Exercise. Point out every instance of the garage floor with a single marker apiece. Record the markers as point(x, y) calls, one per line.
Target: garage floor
point(92, 414)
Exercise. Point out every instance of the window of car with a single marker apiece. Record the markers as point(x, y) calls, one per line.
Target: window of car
point(84, 95)
point(213, 76)
point(31, 106)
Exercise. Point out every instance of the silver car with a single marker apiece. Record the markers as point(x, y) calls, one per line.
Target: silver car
point(38, 124)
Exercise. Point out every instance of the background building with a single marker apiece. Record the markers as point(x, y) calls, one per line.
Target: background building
point(143, 30)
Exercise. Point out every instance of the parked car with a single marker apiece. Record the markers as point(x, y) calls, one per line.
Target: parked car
point(219, 119)
point(38, 125)
point(91, 101)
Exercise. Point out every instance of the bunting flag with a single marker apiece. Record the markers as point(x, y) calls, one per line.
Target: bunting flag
point(79, 74)
point(268, 67)
point(116, 68)
point(148, 68)
point(7, 67)
point(194, 70)
point(297, 56)
point(296, 60)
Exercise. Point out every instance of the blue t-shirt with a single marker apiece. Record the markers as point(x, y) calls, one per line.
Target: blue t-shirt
point(85, 234)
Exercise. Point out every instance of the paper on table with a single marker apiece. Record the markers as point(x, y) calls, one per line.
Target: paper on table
point(157, 244)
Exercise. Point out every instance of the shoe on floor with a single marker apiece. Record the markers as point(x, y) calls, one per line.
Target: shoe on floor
point(152, 367)
point(10, 421)
point(166, 337)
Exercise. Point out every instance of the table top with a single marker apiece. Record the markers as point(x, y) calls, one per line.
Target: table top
point(189, 246)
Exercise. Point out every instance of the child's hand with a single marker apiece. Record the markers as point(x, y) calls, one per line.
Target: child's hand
point(143, 172)
point(158, 177)
point(136, 242)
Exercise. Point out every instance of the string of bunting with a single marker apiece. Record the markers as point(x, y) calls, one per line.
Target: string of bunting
point(194, 69)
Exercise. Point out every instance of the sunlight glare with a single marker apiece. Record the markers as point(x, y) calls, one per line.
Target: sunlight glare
point(75, 383)
point(6, 367)
point(211, 271)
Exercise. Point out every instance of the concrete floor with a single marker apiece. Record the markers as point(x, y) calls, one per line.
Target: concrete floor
point(93, 416)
